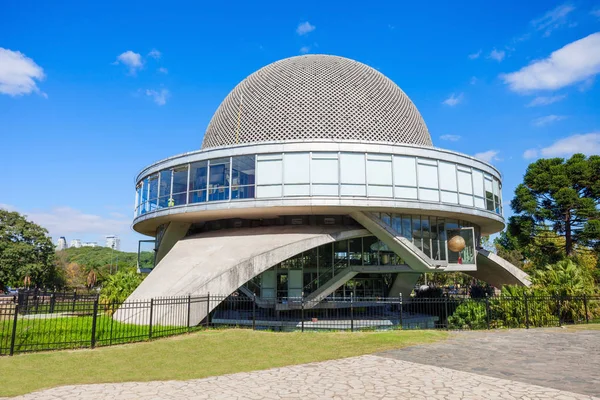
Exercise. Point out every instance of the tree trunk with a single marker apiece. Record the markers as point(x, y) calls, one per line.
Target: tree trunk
point(568, 238)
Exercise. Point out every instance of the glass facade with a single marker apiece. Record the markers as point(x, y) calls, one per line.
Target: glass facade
point(430, 234)
point(307, 271)
point(309, 174)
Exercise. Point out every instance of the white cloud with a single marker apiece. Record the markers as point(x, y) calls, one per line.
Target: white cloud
point(131, 60)
point(546, 100)
point(587, 144)
point(61, 221)
point(475, 55)
point(304, 49)
point(159, 97)
point(7, 207)
point(451, 138)
point(18, 73)
point(553, 19)
point(155, 54)
point(473, 80)
point(304, 28)
point(163, 70)
point(529, 154)
point(575, 62)
point(488, 156)
point(453, 100)
point(546, 120)
point(497, 55)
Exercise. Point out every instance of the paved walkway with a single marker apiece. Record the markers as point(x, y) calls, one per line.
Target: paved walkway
point(517, 364)
point(557, 358)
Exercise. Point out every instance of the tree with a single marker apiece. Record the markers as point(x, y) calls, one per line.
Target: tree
point(559, 196)
point(565, 278)
point(25, 250)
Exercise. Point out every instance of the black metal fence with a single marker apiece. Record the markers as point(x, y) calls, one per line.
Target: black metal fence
point(52, 321)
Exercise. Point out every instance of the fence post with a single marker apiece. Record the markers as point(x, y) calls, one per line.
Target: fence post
point(585, 309)
point(13, 336)
point(487, 310)
point(52, 302)
point(446, 310)
point(302, 311)
point(150, 324)
point(207, 309)
point(559, 311)
point(351, 312)
point(74, 299)
point(400, 310)
point(112, 321)
point(526, 311)
point(189, 311)
point(94, 320)
point(254, 311)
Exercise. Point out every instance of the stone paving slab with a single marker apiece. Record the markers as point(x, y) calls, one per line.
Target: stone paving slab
point(555, 357)
point(365, 377)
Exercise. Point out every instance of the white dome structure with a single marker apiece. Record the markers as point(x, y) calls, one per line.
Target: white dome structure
point(316, 97)
point(317, 176)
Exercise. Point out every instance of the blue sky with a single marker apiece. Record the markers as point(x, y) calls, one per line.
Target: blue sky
point(90, 93)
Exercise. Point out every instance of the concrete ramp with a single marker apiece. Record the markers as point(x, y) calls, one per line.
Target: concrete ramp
point(220, 262)
point(498, 272)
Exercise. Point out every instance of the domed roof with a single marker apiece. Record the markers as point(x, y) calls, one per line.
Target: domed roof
point(316, 97)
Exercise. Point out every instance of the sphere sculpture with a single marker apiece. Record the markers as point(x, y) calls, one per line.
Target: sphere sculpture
point(456, 243)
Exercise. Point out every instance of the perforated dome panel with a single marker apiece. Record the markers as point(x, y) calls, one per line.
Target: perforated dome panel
point(316, 97)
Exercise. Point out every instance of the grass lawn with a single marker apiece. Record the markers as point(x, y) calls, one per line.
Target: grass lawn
point(197, 355)
point(38, 333)
point(582, 327)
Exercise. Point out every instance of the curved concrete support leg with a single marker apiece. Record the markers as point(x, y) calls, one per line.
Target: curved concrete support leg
point(404, 284)
point(220, 262)
point(498, 272)
point(174, 233)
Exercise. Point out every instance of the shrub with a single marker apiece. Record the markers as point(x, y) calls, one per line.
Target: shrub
point(116, 288)
point(469, 315)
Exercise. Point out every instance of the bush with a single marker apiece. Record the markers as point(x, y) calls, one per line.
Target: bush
point(117, 288)
point(469, 315)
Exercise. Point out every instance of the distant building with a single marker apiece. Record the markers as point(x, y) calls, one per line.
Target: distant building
point(61, 244)
point(89, 244)
point(76, 243)
point(113, 242)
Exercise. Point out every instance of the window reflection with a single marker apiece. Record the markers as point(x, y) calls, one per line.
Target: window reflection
point(198, 176)
point(180, 185)
point(426, 236)
point(153, 192)
point(370, 250)
point(218, 185)
point(406, 227)
point(416, 231)
point(164, 191)
point(355, 251)
point(243, 177)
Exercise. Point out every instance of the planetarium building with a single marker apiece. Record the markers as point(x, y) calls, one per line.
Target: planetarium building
point(317, 177)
